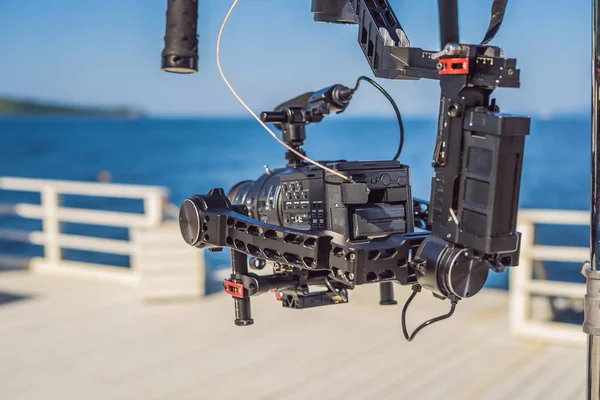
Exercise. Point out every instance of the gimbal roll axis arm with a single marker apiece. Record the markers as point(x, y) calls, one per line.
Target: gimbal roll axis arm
point(479, 151)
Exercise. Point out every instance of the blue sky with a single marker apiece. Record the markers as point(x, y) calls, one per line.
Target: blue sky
point(108, 52)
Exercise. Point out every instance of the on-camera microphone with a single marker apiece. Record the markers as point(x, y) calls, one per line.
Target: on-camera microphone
point(180, 54)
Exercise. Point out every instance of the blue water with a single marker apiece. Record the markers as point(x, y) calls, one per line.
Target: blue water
point(192, 156)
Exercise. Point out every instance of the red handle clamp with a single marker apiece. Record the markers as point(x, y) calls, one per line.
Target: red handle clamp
point(233, 289)
point(454, 66)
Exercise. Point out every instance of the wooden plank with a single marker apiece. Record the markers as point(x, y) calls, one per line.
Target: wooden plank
point(180, 268)
point(555, 217)
point(82, 216)
point(162, 255)
point(104, 218)
point(545, 381)
point(10, 262)
point(166, 232)
point(552, 332)
point(53, 300)
point(158, 287)
point(499, 355)
point(115, 322)
point(520, 300)
point(560, 289)
point(82, 188)
point(89, 337)
point(568, 380)
point(514, 375)
point(31, 211)
point(112, 246)
point(70, 241)
point(88, 271)
point(372, 372)
point(167, 267)
point(33, 237)
point(559, 253)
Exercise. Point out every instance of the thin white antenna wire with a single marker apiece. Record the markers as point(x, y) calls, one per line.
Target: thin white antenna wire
point(252, 112)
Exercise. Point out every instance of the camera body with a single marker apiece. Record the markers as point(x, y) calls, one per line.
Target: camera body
point(378, 202)
point(358, 217)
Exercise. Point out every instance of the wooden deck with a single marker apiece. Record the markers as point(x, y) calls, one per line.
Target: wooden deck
point(68, 339)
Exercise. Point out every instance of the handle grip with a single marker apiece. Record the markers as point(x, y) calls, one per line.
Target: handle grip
point(243, 313)
point(386, 294)
point(180, 54)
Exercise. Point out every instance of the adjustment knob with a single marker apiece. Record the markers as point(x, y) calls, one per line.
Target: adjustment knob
point(190, 223)
point(385, 180)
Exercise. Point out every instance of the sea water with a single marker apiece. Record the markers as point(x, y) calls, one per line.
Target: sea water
point(192, 156)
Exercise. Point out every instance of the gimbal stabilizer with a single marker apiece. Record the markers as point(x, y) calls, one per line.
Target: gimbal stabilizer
point(474, 194)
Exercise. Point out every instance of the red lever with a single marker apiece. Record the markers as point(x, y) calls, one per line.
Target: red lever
point(234, 289)
point(454, 66)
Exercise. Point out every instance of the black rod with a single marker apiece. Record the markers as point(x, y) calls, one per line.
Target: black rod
point(386, 294)
point(448, 22)
point(239, 266)
point(593, 347)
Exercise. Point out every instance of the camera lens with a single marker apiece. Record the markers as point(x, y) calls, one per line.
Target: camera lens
point(239, 192)
point(262, 197)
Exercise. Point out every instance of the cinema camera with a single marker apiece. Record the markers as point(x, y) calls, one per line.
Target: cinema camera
point(328, 227)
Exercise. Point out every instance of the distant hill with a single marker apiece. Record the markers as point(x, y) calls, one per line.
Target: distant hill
point(21, 107)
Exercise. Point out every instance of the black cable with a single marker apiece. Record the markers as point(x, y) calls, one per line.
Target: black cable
point(417, 289)
point(393, 103)
point(498, 11)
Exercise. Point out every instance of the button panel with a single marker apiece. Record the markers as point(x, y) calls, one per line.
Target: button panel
point(303, 208)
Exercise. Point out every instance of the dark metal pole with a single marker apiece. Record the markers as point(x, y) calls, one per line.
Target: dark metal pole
point(592, 300)
point(239, 267)
point(595, 138)
point(592, 370)
point(386, 294)
point(448, 21)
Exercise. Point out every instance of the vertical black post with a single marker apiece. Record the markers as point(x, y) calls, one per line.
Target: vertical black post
point(591, 324)
point(595, 222)
point(448, 22)
point(386, 294)
point(239, 266)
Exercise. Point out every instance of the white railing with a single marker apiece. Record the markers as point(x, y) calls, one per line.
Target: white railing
point(523, 287)
point(159, 260)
